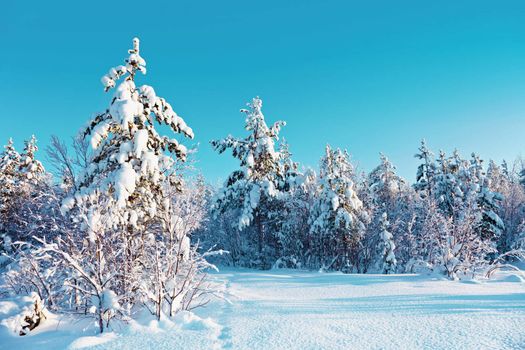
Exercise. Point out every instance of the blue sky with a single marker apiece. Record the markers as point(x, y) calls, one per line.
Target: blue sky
point(368, 76)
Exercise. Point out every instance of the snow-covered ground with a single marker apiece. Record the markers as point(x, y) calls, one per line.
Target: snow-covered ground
point(288, 309)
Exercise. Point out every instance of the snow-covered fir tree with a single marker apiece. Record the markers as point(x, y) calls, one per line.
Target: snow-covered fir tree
point(31, 170)
point(35, 213)
point(425, 171)
point(253, 191)
point(386, 192)
point(376, 191)
point(511, 207)
point(490, 225)
point(28, 197)
point(129, 158)
point(385, 185)
point(9, 165)
point(36, 194)
point(389, 261)
point(336, 230)
point(297, 194)
point(452, 237)
point(447, 187)
point(121, 210)
point(294, 227)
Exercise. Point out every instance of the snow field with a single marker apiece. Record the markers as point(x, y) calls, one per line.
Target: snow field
point(288, 309)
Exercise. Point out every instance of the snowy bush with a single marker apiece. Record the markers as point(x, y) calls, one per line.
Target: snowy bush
point(31, 315)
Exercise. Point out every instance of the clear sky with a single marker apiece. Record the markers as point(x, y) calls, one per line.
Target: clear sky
point(369, 76)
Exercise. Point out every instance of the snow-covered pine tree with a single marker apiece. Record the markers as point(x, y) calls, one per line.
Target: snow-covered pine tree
point(389, 261)
point(298, 189)
point(9, 165)
point(463, 173)
point(447, 187)
point(292, 176)
point(452, 216)
point(252, 191)
point(425, 171)
point(294, 227)
point(462, 249)
point(129, 158)
point(35, 213)
point(521, 176)
point(382, 191)
point(31, 169)
point(408, 252)
point(385, 184)
point(38, 199)
point(124, 185)
point(336, 226)
point(28, 198)
point(505, 168)
point(427, 248)
point(490, 226)
point(512, 207)
point(498, 176)
point(440, 204)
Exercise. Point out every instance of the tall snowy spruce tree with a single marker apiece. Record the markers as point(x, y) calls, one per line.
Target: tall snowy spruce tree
point(38, 198)
point(385, 193)
point(425, 171)
point(385, 184)
point(512, 206)
point(26, 193)
point(292, 230)
point(122, 208)
point(336, 230)
point(447, 187)
point(490, 226)
point(461, 222)
point(253, 191)
point(33, 212)
point(9, 165)
point(387, 246)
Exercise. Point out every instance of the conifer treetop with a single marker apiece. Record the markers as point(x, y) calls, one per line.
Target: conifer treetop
point(130, 159)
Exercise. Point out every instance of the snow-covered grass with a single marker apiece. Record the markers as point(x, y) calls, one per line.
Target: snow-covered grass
point(288, 309)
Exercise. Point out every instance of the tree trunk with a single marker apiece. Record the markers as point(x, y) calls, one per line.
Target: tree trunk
point(100, 315)
point(260, 231)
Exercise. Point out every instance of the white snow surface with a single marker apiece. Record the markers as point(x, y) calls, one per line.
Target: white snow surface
point(290, 309)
